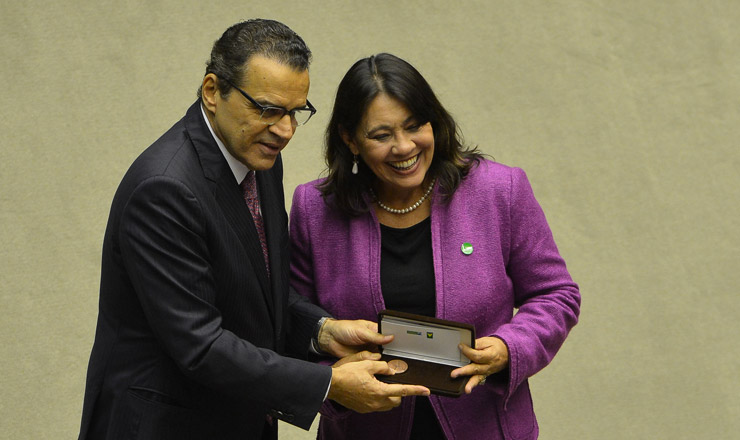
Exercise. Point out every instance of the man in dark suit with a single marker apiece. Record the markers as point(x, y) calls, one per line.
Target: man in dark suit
point(195, 310)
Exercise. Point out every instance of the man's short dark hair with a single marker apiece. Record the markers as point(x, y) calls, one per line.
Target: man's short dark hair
point(241, 41)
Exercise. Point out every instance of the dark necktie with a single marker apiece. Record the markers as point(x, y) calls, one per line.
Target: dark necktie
point(249, 187)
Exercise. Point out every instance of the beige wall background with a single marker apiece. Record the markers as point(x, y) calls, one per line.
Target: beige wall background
point(625, 115)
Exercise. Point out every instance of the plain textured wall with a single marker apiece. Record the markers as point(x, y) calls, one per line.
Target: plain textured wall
point(625, 115)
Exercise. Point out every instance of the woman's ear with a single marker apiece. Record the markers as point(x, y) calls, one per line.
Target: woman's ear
point(347, 139)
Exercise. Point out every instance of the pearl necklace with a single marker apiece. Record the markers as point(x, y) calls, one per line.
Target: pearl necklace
point(404, 210)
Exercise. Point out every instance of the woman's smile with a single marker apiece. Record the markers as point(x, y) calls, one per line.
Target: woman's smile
point(405, 165)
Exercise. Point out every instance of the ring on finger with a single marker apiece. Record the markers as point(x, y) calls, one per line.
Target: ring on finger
point(482, 381)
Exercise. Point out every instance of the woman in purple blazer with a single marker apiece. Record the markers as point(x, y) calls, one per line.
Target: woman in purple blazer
point(409, 219)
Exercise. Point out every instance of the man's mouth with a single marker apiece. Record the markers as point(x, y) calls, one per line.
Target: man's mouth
point(272, 146)
point(405, 164)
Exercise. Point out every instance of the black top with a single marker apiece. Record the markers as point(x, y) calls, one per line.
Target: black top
point(407, 280)
point(407, 268)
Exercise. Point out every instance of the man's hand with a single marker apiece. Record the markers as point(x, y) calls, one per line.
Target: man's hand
point(341, 338)
point(354, 385)
point(490, 356)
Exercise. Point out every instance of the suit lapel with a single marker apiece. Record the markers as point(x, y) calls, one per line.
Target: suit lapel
point(273, 212)
point(228, 196)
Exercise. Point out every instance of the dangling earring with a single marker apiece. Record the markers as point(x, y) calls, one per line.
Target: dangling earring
point(354, 165)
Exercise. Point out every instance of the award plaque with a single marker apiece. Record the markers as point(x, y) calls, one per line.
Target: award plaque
point(428, 347)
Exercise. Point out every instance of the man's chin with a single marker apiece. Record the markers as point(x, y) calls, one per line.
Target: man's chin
point(262, 163)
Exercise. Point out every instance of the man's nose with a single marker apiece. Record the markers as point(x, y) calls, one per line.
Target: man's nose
point(284, 127)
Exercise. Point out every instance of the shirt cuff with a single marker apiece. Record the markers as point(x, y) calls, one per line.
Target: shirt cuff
point(329, 386)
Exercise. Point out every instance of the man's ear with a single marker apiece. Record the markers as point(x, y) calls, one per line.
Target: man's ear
point(209, 92)
point(349, 141)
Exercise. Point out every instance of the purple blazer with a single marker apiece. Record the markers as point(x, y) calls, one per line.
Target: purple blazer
point(515, 264)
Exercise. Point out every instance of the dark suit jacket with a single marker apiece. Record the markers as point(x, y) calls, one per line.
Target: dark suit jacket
point(190, 327)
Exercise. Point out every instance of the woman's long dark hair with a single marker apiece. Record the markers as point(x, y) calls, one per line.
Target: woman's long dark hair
point(387, 74)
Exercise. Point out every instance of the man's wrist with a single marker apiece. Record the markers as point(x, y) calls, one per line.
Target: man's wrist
point(315, 341)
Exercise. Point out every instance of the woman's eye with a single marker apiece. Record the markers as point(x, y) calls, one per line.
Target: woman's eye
point(414, 127)
point(381, 137)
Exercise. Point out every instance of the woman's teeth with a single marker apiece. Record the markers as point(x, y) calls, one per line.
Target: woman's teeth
point(406, 164)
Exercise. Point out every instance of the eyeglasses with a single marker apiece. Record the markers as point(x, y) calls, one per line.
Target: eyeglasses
point(270, 114)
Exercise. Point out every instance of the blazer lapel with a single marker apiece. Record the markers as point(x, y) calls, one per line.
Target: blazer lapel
point(273, 211)
point(228, 196)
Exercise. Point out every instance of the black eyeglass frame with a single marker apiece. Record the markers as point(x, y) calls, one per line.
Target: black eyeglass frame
point(263, 108)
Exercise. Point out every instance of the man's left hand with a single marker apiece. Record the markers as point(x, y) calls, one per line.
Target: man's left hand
point(341, 338)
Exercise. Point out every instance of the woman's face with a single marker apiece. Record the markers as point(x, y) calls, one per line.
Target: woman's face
point(395, 146)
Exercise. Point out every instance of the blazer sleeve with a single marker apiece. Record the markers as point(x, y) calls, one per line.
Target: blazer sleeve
point(547, 299)
point(164, 249)
point(304, 318)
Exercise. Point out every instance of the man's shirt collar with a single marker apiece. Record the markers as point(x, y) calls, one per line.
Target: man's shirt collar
point(237, 168)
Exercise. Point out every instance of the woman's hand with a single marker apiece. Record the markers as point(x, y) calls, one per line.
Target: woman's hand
point(490, 356)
